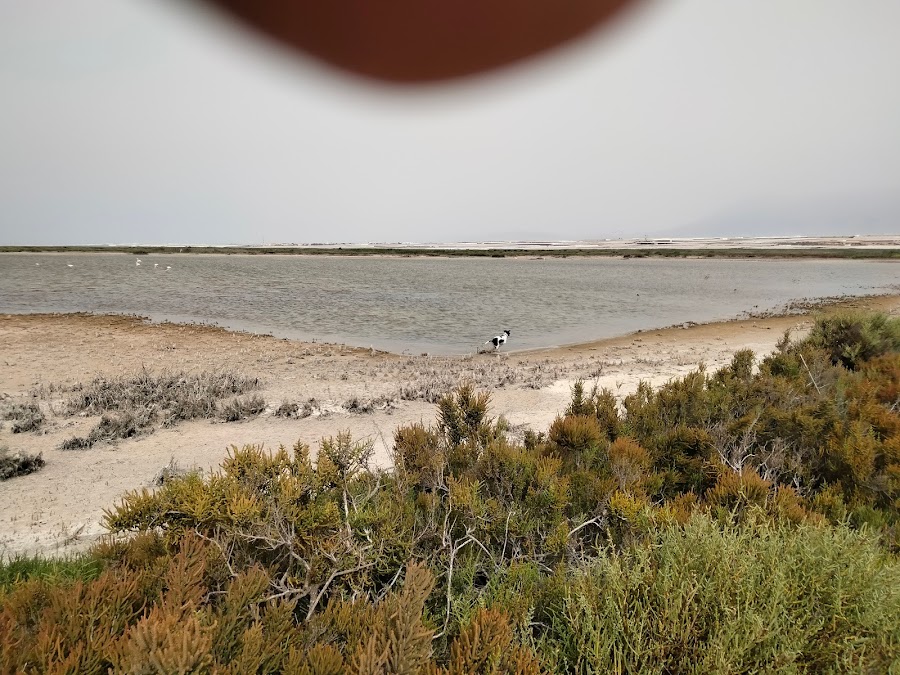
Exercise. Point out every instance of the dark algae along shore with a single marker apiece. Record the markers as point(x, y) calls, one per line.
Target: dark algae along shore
point(648, 251)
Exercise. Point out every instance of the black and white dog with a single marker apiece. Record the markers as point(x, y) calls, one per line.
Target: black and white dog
point(498, 340)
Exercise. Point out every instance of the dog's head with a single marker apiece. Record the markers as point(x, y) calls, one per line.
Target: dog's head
point(506, 331)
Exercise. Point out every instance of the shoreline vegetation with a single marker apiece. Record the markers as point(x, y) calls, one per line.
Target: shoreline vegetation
point(739, 517)
point(849, 248)
point(141, 396)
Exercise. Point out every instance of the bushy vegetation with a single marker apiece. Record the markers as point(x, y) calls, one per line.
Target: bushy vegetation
point(14, 464)
point(170, 396)
point(242, 407)
point(362, 406)
point(852, 338)
point(133, 405)
point(734, 522)
point(24, 416)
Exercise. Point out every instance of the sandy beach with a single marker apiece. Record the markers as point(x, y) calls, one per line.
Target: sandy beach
point(368, 393)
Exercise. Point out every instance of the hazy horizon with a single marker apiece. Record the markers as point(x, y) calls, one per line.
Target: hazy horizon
point(156, 122)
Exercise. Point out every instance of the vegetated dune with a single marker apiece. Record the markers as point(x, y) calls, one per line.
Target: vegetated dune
point(738, 519)
point(302, 392)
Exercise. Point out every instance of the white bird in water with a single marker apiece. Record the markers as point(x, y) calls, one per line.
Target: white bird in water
point(37, 264)
point(168, 267)
point(155, 265)
point(137, 262)
point(70, 265)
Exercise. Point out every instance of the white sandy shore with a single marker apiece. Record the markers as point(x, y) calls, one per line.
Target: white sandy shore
point(59, 508)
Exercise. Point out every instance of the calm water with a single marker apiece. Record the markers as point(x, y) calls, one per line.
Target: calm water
point(426, 304)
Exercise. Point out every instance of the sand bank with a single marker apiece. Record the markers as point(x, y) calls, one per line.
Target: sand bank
point(59, 508)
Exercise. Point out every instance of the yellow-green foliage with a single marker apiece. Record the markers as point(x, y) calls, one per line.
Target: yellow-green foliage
point(575, 433)
point(755, 598)
point(171, 621)
point(398, 641)
point(418, 455)
point(599, 403)
point(803, 420)
point(462, 415)
point(629, 463)
point(738, 491)
point(737, 522)
point(486, 646)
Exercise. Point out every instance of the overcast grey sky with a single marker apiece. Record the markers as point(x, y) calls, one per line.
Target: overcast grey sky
point(136, 121)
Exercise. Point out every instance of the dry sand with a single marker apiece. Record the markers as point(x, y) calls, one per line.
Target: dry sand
point(59, 508)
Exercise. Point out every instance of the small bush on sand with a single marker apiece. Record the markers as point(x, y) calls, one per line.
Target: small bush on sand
point(169, 472)
point(363, 406)
point(242, 407)
point(298, 410)
point(599, 403)
point(288, 409)
point(25, 417)
point(112, 427)
point(575, 434)
point(14, 464)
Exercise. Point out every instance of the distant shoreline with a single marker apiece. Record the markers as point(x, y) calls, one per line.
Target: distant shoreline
point(845, 248)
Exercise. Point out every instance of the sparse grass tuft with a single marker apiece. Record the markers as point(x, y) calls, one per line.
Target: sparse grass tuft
point(19, 569)
point(432, 378)
point(171, 397)
point(133, 405)
point(169, 472)
point(14, 464)
point(113, 426)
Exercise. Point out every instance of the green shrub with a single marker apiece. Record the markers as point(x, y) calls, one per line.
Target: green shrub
point(739, 522)
point(418, 455)
point(462, 415)
point(759, 598)
point(850, 338)
point(629, 463)
point(599, 403)
point(735, 491)
point(575, 434)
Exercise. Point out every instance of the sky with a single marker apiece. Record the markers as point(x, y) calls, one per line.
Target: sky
point(154, 122)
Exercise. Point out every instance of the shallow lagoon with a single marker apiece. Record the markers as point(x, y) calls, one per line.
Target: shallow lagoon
point(435, 305)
